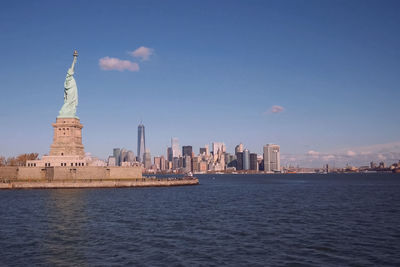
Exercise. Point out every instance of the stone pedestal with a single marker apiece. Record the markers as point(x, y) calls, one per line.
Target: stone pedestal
point(67, 139)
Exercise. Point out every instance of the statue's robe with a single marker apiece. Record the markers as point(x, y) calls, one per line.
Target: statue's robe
point(70, 97)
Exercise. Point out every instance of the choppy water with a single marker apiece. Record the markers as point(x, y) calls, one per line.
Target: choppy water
point(235, 220)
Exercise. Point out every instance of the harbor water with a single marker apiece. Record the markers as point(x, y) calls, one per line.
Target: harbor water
point(232, 220)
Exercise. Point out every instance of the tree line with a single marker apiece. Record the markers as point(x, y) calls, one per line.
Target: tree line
point(19, 160)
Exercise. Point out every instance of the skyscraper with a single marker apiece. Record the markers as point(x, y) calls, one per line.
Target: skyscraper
point(117, 156)
point(272, 159)
point(239, 148)
point(141, 143)
point(239, 162)
point(246, 159)
point(253, 162)
point(203, 151)
point(169, 154)
point(218, 151)
point(147, 159)
point(187, 150)
point(176, 153)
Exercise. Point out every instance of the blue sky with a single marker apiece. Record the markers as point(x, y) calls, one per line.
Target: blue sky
point(215, 71)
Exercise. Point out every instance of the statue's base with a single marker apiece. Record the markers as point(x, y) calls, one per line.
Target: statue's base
point(67, 138)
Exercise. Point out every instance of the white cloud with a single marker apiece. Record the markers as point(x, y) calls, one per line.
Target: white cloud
point(356, 156)
point(351, 153)
point(313, 153)
point(143, 53)
point(328, 157)
point(110, 63)
point(275, 109)
point(381, 157)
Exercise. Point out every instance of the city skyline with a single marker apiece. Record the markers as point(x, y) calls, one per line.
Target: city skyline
point(319, 79)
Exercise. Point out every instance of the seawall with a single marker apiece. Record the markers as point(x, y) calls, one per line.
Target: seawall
point(66, 173)
point(94, 183)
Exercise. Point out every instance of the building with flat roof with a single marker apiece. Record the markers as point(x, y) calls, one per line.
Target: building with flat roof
point(272, 160)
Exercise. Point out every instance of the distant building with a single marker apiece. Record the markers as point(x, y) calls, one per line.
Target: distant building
point(239, 148)
point(230, 160)
point(130, 157)
point(207, 150)
point(187, 151)
point(203, 151)
point(218, 149)
point(123, 156)
point(246, 159)
point(169, 154)
point(157, 163)
point(117, 156)
point(141, 144)
point(187, 163)
point(162, 163)
point(147, 159)
point(175, 163)
point(272, 160)
point(253, 162)
point(175, 147)
point(195, 164)
point(111, 161)
point(202, 166)
point(239, 161)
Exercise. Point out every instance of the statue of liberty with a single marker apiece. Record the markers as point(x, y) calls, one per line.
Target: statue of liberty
point(68, 110)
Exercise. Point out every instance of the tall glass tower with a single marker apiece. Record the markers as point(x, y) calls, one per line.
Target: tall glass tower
point(141, 143)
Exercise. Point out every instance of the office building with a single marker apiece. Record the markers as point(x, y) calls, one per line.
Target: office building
point(187, 151)
point(169, 154)
point(147, 159)
point(203, 151)
point(162, 163)
point(117, 156)
point(130, 157)
point(246, 159)
point(141, 144)
point(239, 161)
point(253, 162)
point(175, 163)
point(111, 161)
point(239, 148)
point(218, 148)
point(175, 147)
point(272, 161)
point(187, 163)
point(195, 164)
point(157, 163)
point(123, 156)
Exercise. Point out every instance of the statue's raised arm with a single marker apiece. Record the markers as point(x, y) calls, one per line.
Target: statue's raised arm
point(68, 110)
point(74, 61)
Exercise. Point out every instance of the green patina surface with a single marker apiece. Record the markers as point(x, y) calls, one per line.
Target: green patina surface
point(68, 110)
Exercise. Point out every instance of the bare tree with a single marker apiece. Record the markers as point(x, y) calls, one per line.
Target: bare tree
point(20, 160)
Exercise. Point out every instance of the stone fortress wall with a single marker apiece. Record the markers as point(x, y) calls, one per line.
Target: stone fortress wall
point(69, 173)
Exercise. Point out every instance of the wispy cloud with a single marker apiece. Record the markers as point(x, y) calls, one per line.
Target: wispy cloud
point(357, 156)
point(143, 53)
point(313, 153)
point(110, 63)
point(275, 109)
point(351, 153)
